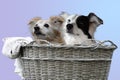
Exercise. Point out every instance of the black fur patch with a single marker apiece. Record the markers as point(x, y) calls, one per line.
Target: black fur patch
point(83, 23)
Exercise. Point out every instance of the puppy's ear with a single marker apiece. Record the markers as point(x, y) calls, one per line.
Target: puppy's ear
point(61, 19)
point(93, 18)
point(94, 22)
point(64, 14)
point(55, 19)
point(34, 20)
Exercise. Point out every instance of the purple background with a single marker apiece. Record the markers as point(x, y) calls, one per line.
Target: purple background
point(15, 14)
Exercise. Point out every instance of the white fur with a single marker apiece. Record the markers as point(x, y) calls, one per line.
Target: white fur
point(43, 29)
point(74, 39)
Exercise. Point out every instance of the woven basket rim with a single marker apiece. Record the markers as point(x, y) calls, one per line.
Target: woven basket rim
point(72, 46)
point(99, 45)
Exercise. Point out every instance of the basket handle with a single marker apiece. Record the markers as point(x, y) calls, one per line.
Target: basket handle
point(103, 42)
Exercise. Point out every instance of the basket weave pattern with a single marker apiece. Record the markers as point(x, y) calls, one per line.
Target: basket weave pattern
point(65, 63)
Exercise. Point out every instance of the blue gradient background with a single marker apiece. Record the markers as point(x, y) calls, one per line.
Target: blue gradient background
point(15, 14)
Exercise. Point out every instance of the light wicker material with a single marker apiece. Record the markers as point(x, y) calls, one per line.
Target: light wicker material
point(66, 62)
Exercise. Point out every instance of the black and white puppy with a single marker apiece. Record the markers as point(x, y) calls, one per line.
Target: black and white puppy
point(80, 29)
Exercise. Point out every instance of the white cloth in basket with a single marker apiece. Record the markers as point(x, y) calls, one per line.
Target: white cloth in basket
point(12, 45)
point(11, 49)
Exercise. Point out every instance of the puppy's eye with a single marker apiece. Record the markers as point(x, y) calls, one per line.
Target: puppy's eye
point(69, 20)
point(36, 25)
point(55, 21)
point(46, 25)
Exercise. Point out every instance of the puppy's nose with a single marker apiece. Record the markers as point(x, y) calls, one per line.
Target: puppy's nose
point(36, 28)
point(69, 26)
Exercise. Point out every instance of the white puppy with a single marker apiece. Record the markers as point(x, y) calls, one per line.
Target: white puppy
point(46, 29)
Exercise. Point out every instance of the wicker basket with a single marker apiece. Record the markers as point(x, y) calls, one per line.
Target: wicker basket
point(66, 62)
